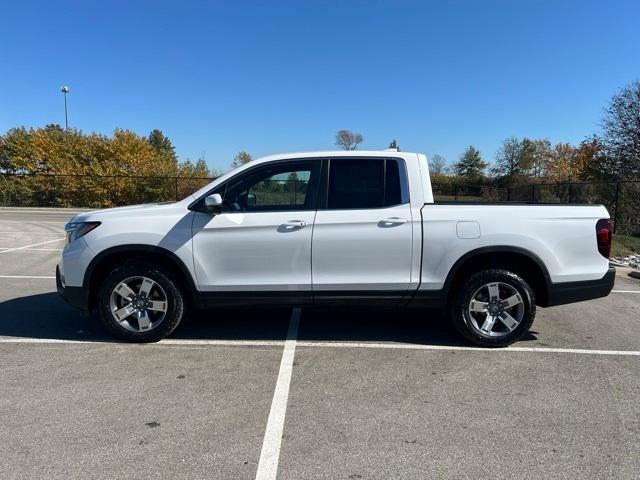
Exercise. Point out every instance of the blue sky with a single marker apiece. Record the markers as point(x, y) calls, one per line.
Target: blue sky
point(270, 77)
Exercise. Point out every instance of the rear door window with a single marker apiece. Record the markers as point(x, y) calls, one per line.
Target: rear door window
point(361, 183)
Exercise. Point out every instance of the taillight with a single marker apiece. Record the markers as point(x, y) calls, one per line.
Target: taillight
point(604, 236)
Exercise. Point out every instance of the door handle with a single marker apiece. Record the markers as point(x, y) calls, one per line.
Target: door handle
point(393, 221)
point(294, 224)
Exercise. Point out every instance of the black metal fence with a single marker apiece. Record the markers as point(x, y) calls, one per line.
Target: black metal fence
point(94, 191)
point(622, 199)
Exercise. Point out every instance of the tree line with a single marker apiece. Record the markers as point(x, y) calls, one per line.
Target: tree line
point(52, 150)
point(522, 161)
point(100, 170)
point(612, 155)
point(56, 167)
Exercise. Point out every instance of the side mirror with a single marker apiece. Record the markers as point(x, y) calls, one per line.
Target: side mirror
point(213, 203)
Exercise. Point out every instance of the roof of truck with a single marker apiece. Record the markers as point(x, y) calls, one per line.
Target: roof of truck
point(336, 154)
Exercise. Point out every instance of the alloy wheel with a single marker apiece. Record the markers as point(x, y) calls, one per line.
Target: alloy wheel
point(496, 309)
point(138, 304)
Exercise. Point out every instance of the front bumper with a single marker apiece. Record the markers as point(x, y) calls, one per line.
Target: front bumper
point(77, 297)
point(571, 292)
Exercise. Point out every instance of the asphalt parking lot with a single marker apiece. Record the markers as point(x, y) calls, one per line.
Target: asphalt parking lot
point(307, 394)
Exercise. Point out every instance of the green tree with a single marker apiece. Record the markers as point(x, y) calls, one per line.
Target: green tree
point(394, 144)
point(470, 166)
point(201, 169)
point(192, 177)
point(539, 155)
point(293, 184)
point(621, 134)
point(162, 145)
point(196, 170)
point(513, 160)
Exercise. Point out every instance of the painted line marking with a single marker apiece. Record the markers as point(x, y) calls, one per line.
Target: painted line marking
point(46, 212)
point(27, 276)
point(270, 454)
point(32, 222)
point(311, 344)
point(223, 343)
point(625, 291)
point(165, 342)
point(403, 346)
point(32, 245)
point(37, 249)
point(22, 232)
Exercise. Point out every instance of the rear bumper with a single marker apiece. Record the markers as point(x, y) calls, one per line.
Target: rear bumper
point(571, 292)
point(74, 296)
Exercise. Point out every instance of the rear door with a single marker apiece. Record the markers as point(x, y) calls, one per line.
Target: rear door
point(362, 237)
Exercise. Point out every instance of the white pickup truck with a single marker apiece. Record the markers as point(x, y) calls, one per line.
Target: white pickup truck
point(333, 228)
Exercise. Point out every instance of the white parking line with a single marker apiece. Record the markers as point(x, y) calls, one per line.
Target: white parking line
point(38, 211)
point(312, 344)
point(170, 341)
point(30, 277)
point(32, 245)
point(270, 454)
point(404, 346)
point(36, 249)
point(223, 343)
point(625, 291)
point(32, 222)
point(60, 232)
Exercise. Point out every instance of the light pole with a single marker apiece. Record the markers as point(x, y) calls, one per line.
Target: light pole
point(65, 90)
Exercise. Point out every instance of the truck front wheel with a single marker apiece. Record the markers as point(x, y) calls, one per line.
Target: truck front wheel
point(139, 302)
point(493, 308)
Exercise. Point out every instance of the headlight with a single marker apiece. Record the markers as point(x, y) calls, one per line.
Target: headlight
point(76, 230)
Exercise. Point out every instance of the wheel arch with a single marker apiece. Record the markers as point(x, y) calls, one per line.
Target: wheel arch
point(104, 263)
point(519, 260)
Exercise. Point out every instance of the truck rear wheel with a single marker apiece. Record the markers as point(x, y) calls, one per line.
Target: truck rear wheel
point(139, 302)
point(493, 308)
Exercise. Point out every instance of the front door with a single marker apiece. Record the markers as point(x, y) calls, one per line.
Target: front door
point(261, 242)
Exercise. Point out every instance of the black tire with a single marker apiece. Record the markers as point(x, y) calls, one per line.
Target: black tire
point(467, 325)
point(175, 305)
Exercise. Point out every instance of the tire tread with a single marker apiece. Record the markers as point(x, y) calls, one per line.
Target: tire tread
point(474, 282)
point(174, 296)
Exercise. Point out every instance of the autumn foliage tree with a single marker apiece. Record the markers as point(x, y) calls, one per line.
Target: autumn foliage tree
point(93, 170)
point(240, 159)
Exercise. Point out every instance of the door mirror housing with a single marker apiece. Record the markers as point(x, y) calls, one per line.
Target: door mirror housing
point(213, 203)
